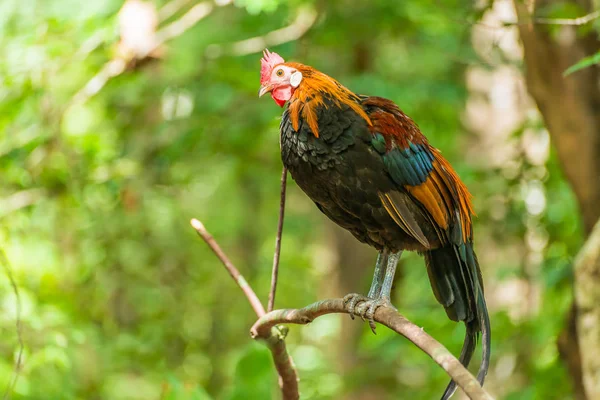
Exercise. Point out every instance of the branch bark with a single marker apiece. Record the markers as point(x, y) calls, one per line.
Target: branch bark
point(288, 377)
point(266, 329)
point(587, 298)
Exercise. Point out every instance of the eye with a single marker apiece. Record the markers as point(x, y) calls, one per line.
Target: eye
point(279, 72)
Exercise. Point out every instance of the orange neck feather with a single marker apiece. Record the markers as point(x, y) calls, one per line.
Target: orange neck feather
point(309, 95)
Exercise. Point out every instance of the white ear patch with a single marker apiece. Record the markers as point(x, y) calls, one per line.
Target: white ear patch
point(296, 78)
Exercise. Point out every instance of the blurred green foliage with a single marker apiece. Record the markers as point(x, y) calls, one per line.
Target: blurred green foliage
point(121, 300)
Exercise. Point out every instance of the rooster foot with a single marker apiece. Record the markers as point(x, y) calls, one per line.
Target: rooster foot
point(366, 309)
point(351, 301)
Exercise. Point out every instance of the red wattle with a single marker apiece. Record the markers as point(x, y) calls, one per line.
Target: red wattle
point(282, 94)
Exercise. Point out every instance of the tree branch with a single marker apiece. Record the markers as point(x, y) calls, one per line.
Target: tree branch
point(118, 65)
point(568, 21)
point(265, 329)
point(183, 23)
point(275, 272)
point(171, 8)
point(233, 271)
point(288, 377)
point(586, 19)
point(304, 21)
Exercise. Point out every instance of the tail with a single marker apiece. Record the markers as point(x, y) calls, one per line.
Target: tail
point(456, 282)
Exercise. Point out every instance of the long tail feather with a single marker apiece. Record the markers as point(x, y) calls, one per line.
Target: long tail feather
point(456, 281)
point(465, 358)
point(486, 338)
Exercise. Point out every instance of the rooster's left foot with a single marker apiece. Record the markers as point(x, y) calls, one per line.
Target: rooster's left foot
point(366, 309)
point(351, 301)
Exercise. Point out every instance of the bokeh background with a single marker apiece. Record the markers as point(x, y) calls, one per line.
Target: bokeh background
point(120, 122)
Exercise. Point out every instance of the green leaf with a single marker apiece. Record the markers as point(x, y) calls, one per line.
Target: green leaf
point(583, 63)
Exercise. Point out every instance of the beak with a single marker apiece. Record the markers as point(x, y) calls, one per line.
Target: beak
point(265, 89)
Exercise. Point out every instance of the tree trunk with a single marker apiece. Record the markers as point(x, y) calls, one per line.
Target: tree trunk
point(587, 299)
point(570, 107)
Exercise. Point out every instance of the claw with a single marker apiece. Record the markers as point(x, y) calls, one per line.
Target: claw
point(351, 300)
point(370, 314)
point(367, 308)
point(361, 308)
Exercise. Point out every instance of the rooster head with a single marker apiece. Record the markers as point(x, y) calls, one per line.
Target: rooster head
point(277, 78)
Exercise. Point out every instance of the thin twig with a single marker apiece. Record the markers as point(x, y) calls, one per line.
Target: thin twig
point(288, 377)
point(275, 271)
point(233, 271)
point(535, 21)
point(171, 8)
point(556, 21)
point(8, 270)
point(97, 38)
point(265, 329)
point(117, 66)
point(183, 23)
point(568, 21)
point(302, 23)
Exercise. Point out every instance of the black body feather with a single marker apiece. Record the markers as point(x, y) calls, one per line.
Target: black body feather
point(349, 172)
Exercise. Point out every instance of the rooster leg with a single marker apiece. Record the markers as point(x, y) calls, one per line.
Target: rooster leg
point(351, 300)
point(367, 309)
point(379, 274)
point(388, 281)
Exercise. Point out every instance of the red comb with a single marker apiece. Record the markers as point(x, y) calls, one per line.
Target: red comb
point(267, 63)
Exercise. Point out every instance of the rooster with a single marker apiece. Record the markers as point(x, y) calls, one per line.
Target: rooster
point(368, 168)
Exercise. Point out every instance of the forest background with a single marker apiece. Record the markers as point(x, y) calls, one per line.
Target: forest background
point(119, 123)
